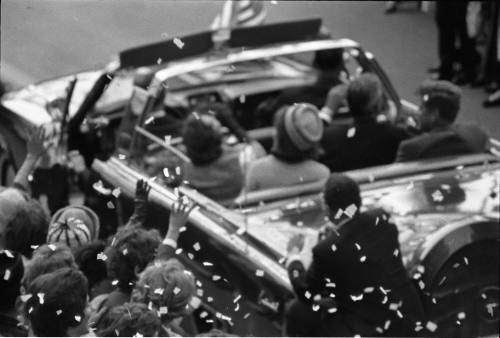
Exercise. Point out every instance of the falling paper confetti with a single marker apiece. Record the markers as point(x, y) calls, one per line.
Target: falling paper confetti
point(246, 315)
point(356, 298)
point(26, 297)
point(431, 326)
point(176, 290)
point(259, 273)
point(196, 246)
point(178, 43)
point(149, 120)
point(78, 318)
point(58, 312)
point(41, 297)
point(110, 205)
point(369, 289)
point(334, 247)
point(216, 278)
point(6, 275)
point(362, 259)
point(437, 196)
point(461, 315)
point(52, 247)
point(101, 256)
point(315, 307)
point(116, 192)
point(351, 132)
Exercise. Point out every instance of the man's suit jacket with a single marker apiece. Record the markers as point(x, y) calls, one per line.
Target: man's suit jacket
point(453, 140)
point(360, 145)
point(359, 265)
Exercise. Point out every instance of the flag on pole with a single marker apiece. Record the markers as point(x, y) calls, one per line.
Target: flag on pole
point(240, 13)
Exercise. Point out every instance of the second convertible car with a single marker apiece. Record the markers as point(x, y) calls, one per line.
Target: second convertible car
point(447, 209)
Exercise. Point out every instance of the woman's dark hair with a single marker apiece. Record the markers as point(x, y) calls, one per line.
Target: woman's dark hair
point(202, 138)
point(27, 228)
point(11, 273)
point(87, 260)
point(283, 147)
point(131, 251)
point(128, 320)
point(57, 303)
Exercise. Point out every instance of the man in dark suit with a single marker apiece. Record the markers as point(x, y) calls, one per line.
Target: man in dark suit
point(440, 103)
point(345, 290)
point(365, 142)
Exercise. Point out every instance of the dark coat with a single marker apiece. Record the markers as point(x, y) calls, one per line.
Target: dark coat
point(453, 140)
point(372, 144)
point(363, 265)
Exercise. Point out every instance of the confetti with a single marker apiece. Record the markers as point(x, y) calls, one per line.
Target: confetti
point(178, 43)
point(34, 247)
point(400, 315)
point(178, 251)
point(431, 326)
point(216, 278)
point(240, 231)
point(371, 179)
point(26, 297)
point(116, 192)
point(242, 99)
point(121, 156)
point(259, 273)
point(208, 264)
point(396, 253)
point(158, 61)
point(315, 307)
point(369, 289)
point(210, 299)
point(110, 205)
point(176, 290)
point(376, 221)
point(101, 256)
point(356, 298)
point(158, 291)
point(362, 259)
point(421, 268)
point(385, 300)
point(52, 247)
point(351, 132)
point(6, 275)
point(379, 330)
point(466, 261)
point(456, 265)
point(190, 255)
point(332, 310)
point(204, 314)
point(196, 246)
point(58, 312)
point(387, 324)
point(199, 292)
point(30, 309)
point(334, 247)
point(78, 318)
point(350, 211)
point(149, 120)
point(393, 306)
point(125, 252)
point(307, 294)
point(358, 246)
point(246, 315)
point(115, 282)
point(442, 280)
point(461, 315)
point(330, 285)
point(41, 297)
point(437, 196)
point(236, 299)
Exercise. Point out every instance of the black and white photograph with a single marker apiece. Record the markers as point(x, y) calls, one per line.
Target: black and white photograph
point(249, 168)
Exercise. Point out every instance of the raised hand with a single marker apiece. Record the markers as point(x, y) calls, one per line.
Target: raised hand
point(36, 142)
point(142, 189)
point(180, 213)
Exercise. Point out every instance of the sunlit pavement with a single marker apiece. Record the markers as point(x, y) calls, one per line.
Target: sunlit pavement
point(43, 39)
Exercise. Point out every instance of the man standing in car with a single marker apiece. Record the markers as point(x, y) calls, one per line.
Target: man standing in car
point(356, 282)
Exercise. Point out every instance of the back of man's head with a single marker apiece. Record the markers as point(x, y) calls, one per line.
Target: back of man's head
point(57, 303)
point(48, 258)
point(365, 96)
point(342, 196)
point(27, 228)
point(202, 137)
point(129, 320)
point(443, 96)
point(11, 273)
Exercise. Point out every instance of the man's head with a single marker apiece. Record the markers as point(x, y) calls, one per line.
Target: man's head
point(298, 132)
point(365, 96)
point(47, 258)
point(202, 137)
point(11, 273)
point(88, 260)
point(342, 197)
point(329, 59)
point(132, 249)
point(57, 306)
point(166, 285)
point(440, 103)
point(27, 227)
point(129, 320)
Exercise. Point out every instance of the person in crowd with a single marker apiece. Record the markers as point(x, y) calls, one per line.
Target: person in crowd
point(58, 304)
point(343, 288)
point(295, 148)
point(23, 222)
point(47, 258)
point(131, 320)
point(177, 287)
point(27, 228)
point(11, 270)
point(331, 72)
point(366, 142)
point(452, 27)
point(216, 169)
point(74, 226)
point(440, 104)
point(89, 258)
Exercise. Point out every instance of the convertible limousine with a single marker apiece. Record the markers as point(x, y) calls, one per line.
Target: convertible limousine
point(447, 209)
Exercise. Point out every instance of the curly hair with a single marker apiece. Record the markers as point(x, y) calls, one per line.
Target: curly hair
point(48, 258)
point(166, 284)
point(58, 301)
point(28, 227)
point(11, 280)
point(131, 250)
point(128, 320)
point(87, 259)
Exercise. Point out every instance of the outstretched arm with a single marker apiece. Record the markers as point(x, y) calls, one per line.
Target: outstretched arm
point(142, 190)
point(178, 218)
point(36, 148)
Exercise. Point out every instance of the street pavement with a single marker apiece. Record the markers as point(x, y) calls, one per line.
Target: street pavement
point(43, 39)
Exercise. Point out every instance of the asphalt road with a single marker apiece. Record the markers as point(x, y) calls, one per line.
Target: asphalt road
point(42, 39)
